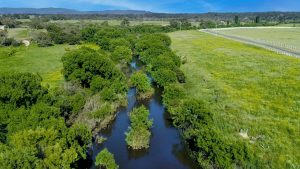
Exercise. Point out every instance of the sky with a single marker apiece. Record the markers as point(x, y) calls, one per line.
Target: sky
point(167, 6)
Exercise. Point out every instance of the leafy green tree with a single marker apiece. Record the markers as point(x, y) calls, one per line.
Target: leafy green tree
point(122, 54)
point(44, 40)
point(85, 63)
point(236, 20)
point(141, 82)
point(20, 89)
point(125, 23)
point(173, 95)
point(114, 43)
point(106, 159)
point(257, 19)
point(163, 77)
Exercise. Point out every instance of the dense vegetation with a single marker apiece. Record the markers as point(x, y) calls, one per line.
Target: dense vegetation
point(138, 135)
point(106, 159)
point(142, 84)
point(43, 127)
point(34, 133)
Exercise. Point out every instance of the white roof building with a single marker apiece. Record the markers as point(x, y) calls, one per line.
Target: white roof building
point(2, 27)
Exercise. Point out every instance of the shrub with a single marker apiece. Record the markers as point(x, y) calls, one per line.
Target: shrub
point(106, 159)
point(44, 40)
point(20, 89)
point(122, 54)
point(173, 94)
point(141, 82)
point(163, 77)
point(138, 135)
point(108, 94)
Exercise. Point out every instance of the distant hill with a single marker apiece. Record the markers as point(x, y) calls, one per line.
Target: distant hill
point(48, 11)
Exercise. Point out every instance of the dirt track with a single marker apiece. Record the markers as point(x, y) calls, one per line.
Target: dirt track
point(277, 49)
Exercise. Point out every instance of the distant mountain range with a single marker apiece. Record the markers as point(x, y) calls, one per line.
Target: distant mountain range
point(48, 11)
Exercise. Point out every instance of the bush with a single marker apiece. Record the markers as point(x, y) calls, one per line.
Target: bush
point(141, 82)
point(122, 54)
point(106, 159)
point(108, 94)
point(20, 89)
point(163, 77)
point(85, 63)
point(138, 134)
point(44, 40)
point(173, 94)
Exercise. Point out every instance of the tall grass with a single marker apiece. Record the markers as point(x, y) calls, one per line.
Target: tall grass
point(248, 88)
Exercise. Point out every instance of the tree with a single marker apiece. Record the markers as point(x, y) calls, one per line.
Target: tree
point(236, 20)
point(122, 54)
point(141, 82)
point(83, 64)
point(106, 159)
point(20, 89)
point(163, 77)
point(257, 19)
point(173, 94)
point(125, 23)
point(44, 40)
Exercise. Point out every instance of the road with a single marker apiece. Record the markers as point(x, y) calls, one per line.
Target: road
point(274, 48)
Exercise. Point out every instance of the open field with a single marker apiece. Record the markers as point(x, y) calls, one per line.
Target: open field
point(23, 33)
point(45, 61)
point(284, 39)
point(247, 88)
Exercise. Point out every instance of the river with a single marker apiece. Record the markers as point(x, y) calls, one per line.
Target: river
point(166, 149)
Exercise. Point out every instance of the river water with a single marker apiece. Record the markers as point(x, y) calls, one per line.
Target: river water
point(166, 149)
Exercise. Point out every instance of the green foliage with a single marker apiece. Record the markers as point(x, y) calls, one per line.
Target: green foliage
point(173, 94)
point(105, 110)
point(108, 94)
point(33, 126)
point(61, 35)
point(163, 77)
point(138, 134)
point(106, 159)
point(20, 89)
point(122, 54)
point(104, 35)
point(83, 64)
point(114, 43)
point(125, 23)
point(180, 24)
point(42, 148)
point(98, 83)
point(141, 82)
point(44, 40)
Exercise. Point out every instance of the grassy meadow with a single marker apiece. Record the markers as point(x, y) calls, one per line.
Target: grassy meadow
point(248, 88)
point(282, 37)
point(45, 61)
point(23, 33)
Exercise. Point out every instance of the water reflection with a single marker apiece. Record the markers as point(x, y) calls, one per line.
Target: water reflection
point(166, 150)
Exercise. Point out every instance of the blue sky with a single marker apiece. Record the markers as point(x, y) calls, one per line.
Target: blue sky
point(182, 6)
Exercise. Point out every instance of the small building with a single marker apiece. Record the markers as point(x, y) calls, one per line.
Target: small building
point(26, 42)
point(2, 27)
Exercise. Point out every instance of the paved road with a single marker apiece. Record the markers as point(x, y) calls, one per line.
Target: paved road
point(253, 42)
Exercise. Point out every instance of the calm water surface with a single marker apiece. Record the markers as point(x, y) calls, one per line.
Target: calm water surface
point(166, 149)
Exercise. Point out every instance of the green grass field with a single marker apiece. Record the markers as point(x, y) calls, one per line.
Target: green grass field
point(23, 33)
point(281, 37)
point(45, 61)
point(247, 88)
